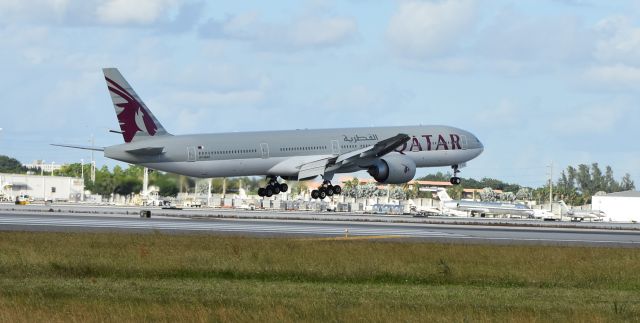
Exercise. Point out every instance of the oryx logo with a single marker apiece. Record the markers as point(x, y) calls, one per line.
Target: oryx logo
point(406, 168)
point(132, 116)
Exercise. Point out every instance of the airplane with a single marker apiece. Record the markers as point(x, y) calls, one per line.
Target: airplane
point(483, 208)
point(544, 215)
point(389, 154)
point(580, 215)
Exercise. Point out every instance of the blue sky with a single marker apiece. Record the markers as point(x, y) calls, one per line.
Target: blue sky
point(536, 81)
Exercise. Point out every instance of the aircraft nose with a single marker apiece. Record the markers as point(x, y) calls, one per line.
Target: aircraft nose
point(478, 143)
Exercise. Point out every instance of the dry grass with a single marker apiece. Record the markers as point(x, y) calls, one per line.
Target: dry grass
point(156, 277)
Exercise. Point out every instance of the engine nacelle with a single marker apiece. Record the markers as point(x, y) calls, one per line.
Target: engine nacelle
point(395, 169)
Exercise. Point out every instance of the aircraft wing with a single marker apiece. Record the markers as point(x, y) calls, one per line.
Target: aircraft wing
point(353, 158)
point(380, 149)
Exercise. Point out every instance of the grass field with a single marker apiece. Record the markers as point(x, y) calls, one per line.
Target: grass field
point(156, 277)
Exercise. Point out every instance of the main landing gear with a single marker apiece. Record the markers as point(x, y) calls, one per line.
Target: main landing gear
point(272, 188)
point(326, 189)
point(455, 180)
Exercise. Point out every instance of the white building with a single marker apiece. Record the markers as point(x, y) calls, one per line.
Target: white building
point(621, 206)
point(39, 187)
point(40, 164)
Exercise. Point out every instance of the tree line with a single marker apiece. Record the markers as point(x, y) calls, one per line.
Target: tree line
point(127, 181)
point(576, 185)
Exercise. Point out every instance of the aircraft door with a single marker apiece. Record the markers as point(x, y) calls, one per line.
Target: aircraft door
point(335, 147)
point(191, 154)
point(264, 149)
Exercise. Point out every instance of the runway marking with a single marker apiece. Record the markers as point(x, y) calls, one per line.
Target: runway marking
point(223, 227)
point(329, 231)
point(356, 238)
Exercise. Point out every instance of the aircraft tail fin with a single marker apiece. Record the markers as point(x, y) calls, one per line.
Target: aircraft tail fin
point(564, 206)
point(135, 119)
point(443, 195)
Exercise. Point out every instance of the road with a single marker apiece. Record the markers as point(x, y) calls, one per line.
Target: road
point(12, 221)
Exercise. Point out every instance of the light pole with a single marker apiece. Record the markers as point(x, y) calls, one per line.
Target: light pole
point(82, 174)
point(44, 186)
point(93, 162)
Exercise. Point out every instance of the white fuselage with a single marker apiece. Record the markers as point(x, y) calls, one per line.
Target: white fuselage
point(281, 153)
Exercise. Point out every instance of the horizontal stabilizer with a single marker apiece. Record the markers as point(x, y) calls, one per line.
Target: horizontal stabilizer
point(80, 147)
point(147, 151)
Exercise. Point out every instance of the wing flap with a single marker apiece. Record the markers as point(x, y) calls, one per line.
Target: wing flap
point(313, 169)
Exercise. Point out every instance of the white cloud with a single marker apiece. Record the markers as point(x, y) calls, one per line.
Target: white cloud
point(357, 97)
point(513, 39)
point(39, 9)
point(422, 29)
point(617, 77)
point(118, 12)
point(321, 32)
point(88, 12)
point(619, 42)
point(505, 114)
point(302, 33)
point(600, 118)
point(207, 99)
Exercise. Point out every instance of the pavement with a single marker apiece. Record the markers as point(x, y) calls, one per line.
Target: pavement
point(312, 225)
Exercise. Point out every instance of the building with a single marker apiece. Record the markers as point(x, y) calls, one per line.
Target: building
point(41, 165)
point(620, 206)
point(56, 188)
point(427, 186)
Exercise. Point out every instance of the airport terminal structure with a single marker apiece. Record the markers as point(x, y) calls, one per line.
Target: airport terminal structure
point(616, 207)
point(41, 187)
point(620, 206)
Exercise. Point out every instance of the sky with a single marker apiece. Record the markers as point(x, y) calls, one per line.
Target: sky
point(537, 81)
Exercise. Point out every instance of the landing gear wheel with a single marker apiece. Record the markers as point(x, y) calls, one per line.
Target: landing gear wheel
point(268, 192)
point(322, 195)
point(261, 192)
point(337, 189)
point(284, 188)
point(455, 180)
point(329, 191)
point(315, 194)
point(275, 189)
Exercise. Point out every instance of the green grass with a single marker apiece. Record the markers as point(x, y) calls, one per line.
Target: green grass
point(157, 277)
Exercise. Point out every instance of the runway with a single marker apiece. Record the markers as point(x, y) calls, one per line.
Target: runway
point(324, 229)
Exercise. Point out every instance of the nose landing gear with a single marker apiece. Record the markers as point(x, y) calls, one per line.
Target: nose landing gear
point(272, 188)
point(455, 180)
point(326, 189)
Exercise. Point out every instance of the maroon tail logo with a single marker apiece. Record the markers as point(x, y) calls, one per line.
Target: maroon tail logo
point(133, 117)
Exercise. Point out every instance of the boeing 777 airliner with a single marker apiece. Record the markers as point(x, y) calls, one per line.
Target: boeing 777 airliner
point(389, 154)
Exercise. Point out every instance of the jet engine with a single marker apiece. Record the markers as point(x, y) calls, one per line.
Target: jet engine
point(395, 169)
